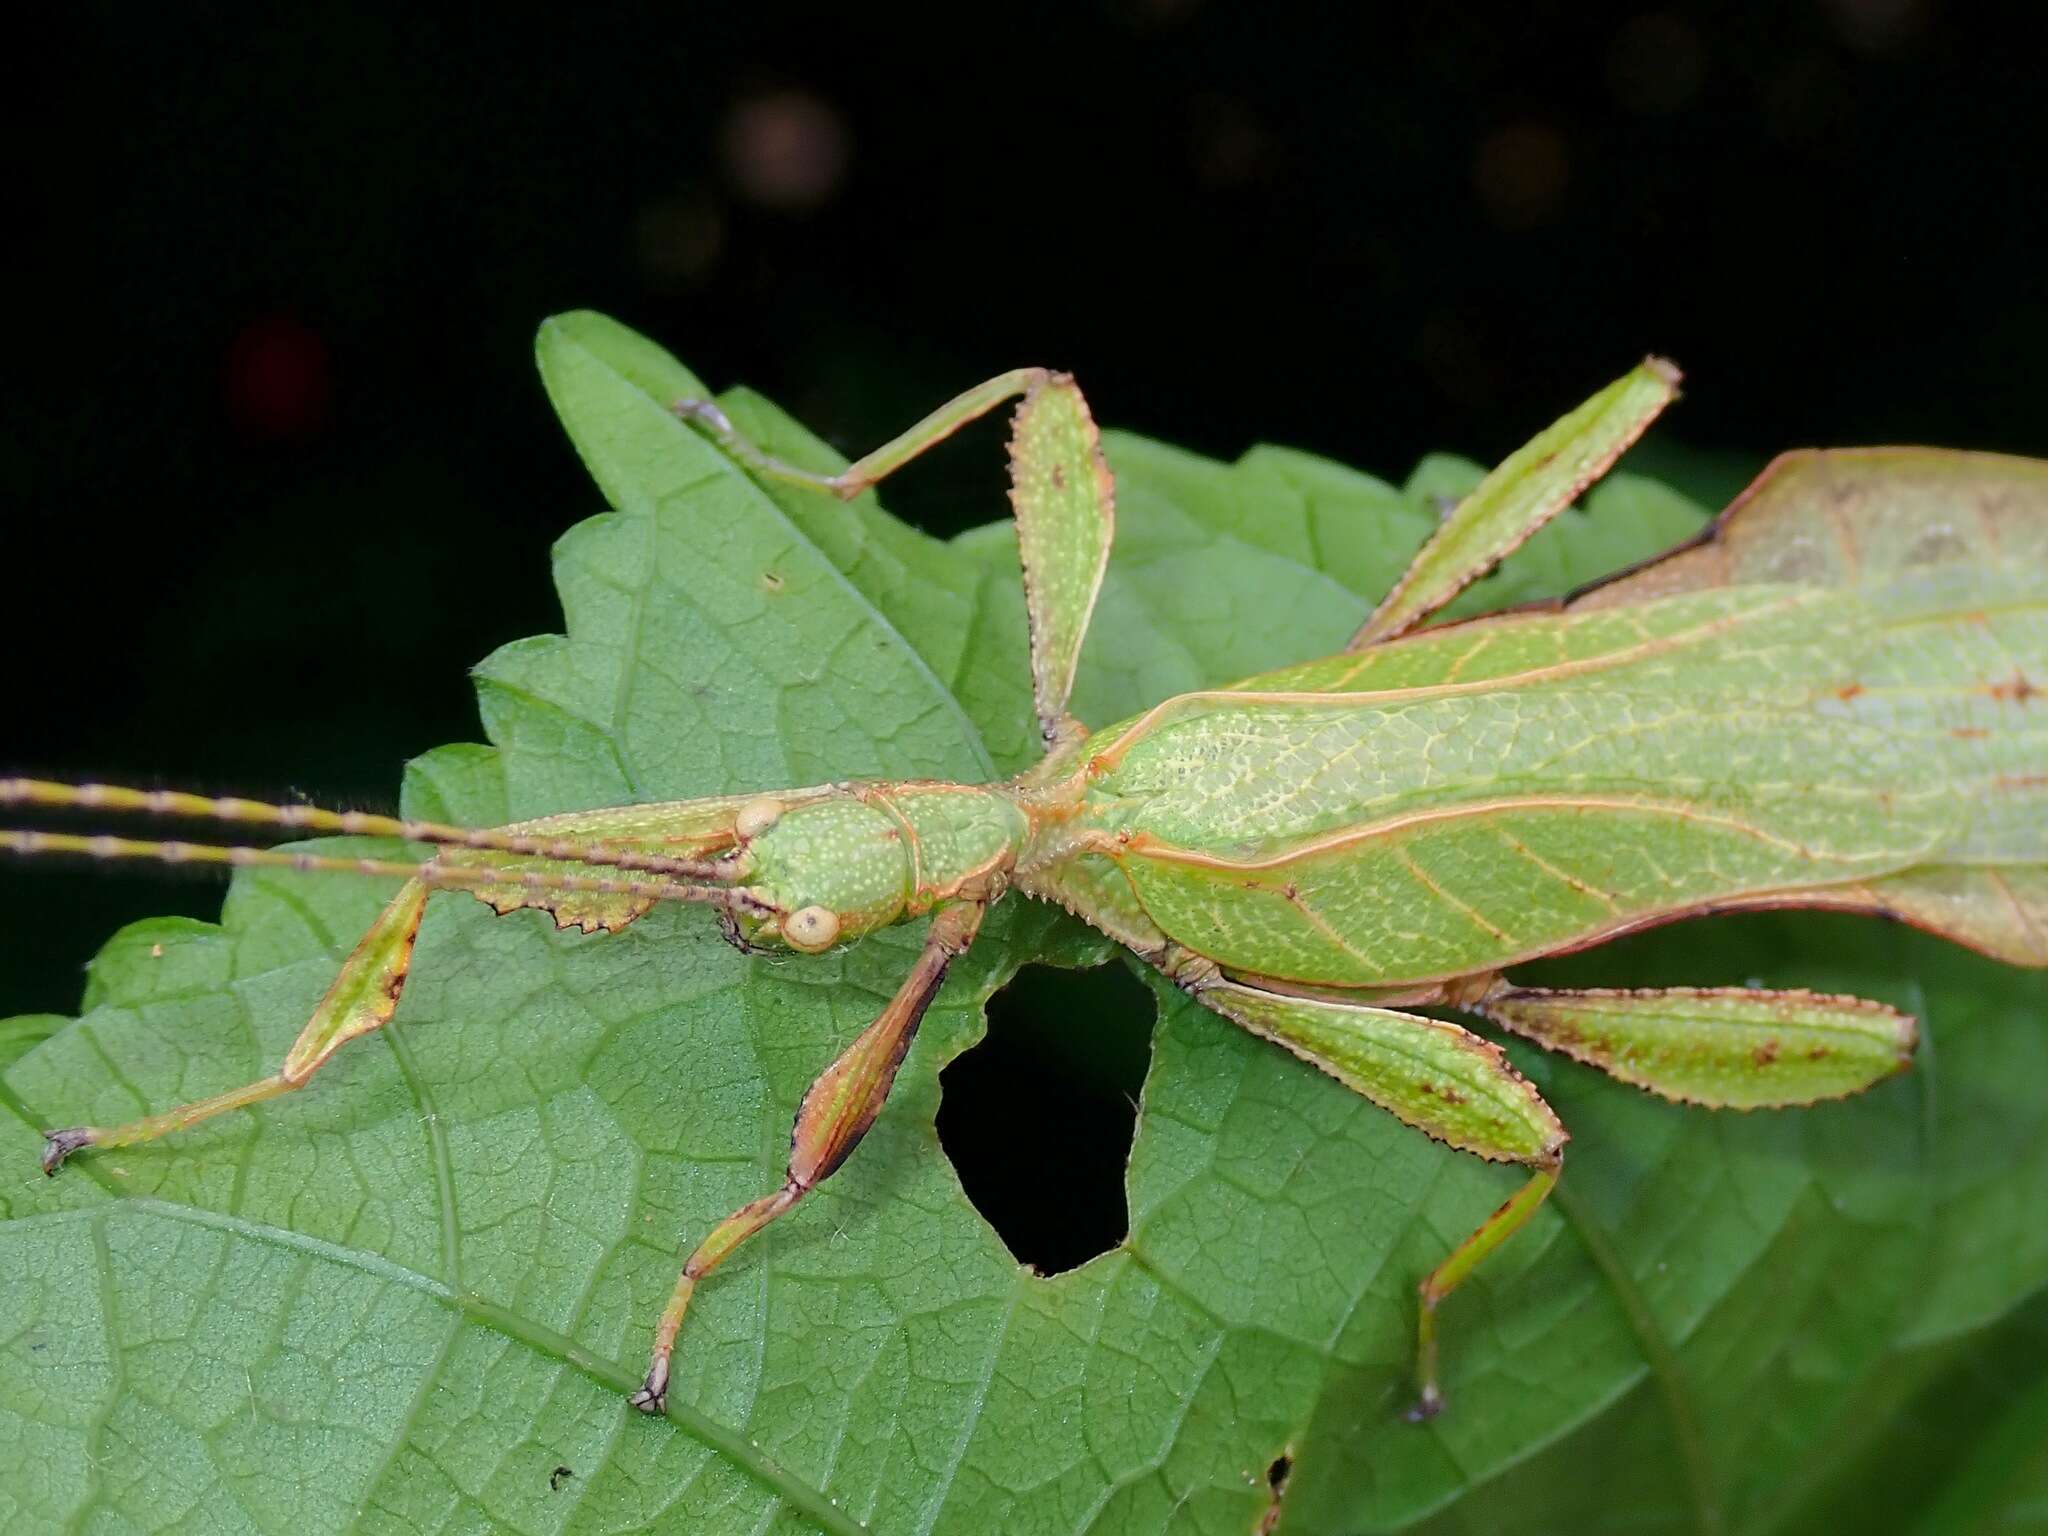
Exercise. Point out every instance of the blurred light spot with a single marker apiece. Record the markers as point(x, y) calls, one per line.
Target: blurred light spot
point(784, 149)
point(1520, 172)
point(275, 379)
point(1227, 144)
point(1876, 24)
point(677, 239)
point(1655, 63)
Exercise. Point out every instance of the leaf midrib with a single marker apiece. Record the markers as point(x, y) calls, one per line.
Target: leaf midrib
point(813, 1503)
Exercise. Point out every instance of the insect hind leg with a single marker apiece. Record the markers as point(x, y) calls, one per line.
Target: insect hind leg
point(835, 1115)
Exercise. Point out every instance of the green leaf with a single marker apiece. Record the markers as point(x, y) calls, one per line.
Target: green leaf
point(402, 1300)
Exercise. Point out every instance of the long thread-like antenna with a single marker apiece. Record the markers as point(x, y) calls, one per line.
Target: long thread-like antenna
point(312, 818)
point(467, 877)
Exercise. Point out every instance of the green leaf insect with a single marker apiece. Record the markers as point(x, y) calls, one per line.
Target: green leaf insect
point(1831, 698)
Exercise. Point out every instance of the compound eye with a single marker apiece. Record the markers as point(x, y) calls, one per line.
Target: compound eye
point(756, 817)
point(811, 929)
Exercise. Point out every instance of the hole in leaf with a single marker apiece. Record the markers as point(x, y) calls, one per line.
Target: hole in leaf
point(1276, 1480)
point(1039, 1117)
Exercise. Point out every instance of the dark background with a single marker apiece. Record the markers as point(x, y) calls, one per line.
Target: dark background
point(277, 468)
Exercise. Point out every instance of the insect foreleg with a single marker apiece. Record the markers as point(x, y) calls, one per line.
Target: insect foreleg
point(836, 1113)
point(1060, 490)
point(363, 997)
point(869, 469)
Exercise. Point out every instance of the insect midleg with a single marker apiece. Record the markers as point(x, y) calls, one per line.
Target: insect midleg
point(1447, 1276)
point(362, 997)
point(836, 1113)
point(1436, 1077)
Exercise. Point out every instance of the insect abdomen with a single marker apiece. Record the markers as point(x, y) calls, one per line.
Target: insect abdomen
point(1695, 751)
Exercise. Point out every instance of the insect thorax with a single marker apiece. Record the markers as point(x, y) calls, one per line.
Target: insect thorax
point(877, 854)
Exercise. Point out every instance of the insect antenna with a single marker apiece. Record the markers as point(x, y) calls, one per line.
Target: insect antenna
point(429, 872)
point(121, 800)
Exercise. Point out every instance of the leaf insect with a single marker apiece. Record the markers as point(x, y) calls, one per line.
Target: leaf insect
point(1832, 698)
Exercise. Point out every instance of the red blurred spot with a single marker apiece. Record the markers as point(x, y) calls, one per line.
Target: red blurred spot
point(275, 379)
